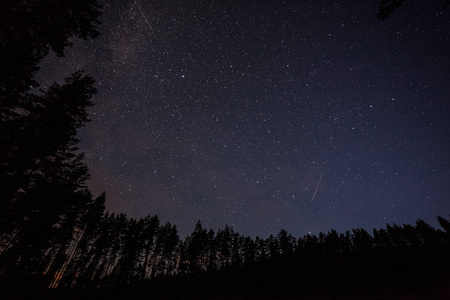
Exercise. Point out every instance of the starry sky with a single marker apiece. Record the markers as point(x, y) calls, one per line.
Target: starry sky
point(303, 115)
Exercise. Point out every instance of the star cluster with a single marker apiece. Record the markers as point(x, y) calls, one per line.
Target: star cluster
point(263, 115)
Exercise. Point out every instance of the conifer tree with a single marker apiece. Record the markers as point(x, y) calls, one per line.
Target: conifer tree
point(42, 176)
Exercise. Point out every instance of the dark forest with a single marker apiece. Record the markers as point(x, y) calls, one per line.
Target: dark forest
point(58, 241)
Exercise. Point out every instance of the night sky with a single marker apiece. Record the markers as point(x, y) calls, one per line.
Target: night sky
point(303, 115)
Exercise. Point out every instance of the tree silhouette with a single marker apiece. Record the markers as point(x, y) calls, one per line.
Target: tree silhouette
point(388, 6)
point(249, 251)
point(224, 246)
point(286, 242)
point(362, 241)
point(212, 251)
point(170, 242)
point(28, 31)
point(78, 256)
point(42, 176)
point(196, 248)
point(445, 224)
point(149, 240)
point(44, 179)
point(332, 245)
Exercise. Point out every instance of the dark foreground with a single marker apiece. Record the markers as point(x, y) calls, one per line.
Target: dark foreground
point(435, 293)
point(236, 286)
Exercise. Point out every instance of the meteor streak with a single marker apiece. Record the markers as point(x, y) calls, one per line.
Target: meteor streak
point(317, 187)
point(143, 15)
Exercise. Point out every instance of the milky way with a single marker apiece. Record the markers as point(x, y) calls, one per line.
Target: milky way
point(229, 112)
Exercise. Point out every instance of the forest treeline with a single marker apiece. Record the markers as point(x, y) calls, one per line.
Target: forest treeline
point(55, 233)
point(105, 250)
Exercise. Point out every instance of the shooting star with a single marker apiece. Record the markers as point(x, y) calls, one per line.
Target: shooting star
point(143, 15)
point(317, 187)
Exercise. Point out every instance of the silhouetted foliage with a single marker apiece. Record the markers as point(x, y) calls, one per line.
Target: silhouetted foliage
point(28, 31)
point(388, 6)
point(117, 251)
point(42, 177)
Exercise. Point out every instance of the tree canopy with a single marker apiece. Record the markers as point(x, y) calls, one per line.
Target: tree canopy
point(388, 6)
point(42, 176)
